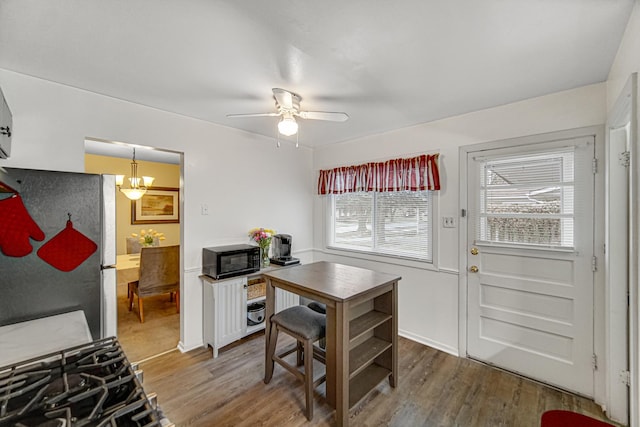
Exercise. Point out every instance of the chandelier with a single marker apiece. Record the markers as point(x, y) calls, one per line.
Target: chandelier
point(139, 185)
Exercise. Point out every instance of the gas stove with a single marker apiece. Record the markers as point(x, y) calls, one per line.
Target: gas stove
point(88, 385)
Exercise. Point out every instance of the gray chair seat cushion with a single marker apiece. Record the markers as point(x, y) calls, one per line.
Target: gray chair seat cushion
point(302, 321)
point(318, 306)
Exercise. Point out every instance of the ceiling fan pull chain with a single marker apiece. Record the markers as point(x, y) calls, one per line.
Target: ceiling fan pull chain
point(277, 137)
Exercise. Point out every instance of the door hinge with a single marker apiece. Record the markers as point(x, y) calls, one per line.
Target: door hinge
point(463, 213)
point(625, 158)
point(594, 165)
point(594, 263)
point(594, 361)
point(625, 378)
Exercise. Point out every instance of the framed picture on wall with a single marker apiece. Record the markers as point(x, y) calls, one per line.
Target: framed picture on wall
point(159, 205)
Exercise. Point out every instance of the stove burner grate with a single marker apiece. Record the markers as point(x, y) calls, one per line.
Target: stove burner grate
point(88, 385)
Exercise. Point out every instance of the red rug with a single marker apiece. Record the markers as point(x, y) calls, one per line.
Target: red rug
point(559, 418)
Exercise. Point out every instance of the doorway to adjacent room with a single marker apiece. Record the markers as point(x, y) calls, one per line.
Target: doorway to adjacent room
point(160, 331)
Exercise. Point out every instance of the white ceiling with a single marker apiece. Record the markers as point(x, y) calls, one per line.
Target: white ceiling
point(125, 151)
point(388, 64)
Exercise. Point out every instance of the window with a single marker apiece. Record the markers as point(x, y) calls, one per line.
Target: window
point(396, 223)
point(383, 208)
point(528, 200)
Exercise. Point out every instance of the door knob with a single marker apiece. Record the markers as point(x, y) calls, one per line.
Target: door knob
point(473, 269)
point(474, 251)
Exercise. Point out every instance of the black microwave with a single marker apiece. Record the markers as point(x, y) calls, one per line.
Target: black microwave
point(221, 262)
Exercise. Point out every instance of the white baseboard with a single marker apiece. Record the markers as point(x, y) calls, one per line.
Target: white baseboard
point(437, 345)
point(184, 349)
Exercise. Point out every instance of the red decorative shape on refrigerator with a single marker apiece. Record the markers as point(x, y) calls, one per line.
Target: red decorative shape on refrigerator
point(16, 227)
point(67, 249)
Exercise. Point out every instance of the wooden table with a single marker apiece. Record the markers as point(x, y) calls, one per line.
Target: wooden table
point(362, 326)
point(127, 268)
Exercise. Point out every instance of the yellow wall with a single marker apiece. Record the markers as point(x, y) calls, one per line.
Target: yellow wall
point(166, 175)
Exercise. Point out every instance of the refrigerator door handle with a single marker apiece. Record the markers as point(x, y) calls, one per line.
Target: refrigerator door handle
point(108, 220)
point(109, 306)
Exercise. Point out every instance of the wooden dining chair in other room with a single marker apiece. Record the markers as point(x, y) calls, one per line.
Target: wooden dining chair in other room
point(159, 274)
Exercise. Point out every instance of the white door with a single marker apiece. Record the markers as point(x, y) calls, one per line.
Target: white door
point(530, 261)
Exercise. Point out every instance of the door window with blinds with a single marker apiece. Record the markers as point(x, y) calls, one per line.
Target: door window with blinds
point(393, 223)
point(528, 199)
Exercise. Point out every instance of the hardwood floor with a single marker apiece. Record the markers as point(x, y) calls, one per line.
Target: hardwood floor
point(160, 331)
point(434, 389)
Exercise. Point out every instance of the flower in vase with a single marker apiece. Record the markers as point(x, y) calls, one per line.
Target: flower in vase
point(262, 236)
point(147, 236)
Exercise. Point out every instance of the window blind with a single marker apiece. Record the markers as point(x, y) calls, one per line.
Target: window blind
point(528, 199)
point(393, 223)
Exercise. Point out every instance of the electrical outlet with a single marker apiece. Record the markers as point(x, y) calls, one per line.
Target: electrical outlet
point(448, 222)
point(204, 209)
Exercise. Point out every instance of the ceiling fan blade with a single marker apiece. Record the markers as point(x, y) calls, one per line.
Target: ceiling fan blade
point(324, 115)
point(253, 115)
point(284, 98)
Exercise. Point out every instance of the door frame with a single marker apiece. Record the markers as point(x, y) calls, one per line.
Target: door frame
point(598, 233)
point(621, 269)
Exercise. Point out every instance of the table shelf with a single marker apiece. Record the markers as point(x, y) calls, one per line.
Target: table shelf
point(364, 354)
point(366, 381)
point(366, 322)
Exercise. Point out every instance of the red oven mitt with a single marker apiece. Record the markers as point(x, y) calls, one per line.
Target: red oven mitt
point(67, 249)
point(16, 227)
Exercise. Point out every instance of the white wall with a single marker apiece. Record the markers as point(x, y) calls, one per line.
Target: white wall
point(244, 179)
point(627, 59)
point(428, 299)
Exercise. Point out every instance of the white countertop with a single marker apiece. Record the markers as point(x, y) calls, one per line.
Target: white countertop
point(26, 340)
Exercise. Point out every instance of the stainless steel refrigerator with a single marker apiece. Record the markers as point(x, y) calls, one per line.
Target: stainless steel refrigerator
point(57, 247)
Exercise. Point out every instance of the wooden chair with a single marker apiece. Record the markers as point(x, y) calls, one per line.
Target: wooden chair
point(159, 274)
point(306, 326)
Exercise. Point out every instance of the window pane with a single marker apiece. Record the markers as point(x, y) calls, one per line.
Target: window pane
point(353, 219)
point(528, 199)
point(403, 223)
point(393, 223)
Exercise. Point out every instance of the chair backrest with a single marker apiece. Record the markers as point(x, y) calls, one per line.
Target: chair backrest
point(159, 270)
point(134, 245)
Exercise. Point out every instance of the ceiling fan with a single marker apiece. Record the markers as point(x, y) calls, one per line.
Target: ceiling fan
point(288, 105)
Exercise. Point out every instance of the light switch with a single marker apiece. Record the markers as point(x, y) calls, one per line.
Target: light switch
point(204, 209)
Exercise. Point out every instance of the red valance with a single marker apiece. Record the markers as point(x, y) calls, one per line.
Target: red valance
point(414, 174)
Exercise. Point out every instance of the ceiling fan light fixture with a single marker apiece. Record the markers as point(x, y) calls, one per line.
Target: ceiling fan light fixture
point(288, 126)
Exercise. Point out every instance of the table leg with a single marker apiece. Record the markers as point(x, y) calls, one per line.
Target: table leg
point(342, 364)
point(270, 305)
point(330, 362)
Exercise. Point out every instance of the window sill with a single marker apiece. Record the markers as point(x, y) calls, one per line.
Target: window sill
point(521, 246)
point(387, 259)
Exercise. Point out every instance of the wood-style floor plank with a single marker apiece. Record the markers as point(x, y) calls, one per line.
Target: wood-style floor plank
point(434, 389)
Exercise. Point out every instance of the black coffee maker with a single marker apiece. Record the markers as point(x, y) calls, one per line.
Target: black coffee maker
point(282, 250)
